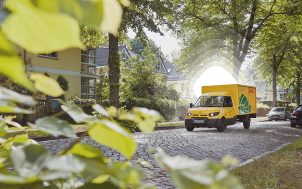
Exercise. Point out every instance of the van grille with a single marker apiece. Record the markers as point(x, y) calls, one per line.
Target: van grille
point(198, 116)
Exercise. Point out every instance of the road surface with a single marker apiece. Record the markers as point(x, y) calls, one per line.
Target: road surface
point(199, 144)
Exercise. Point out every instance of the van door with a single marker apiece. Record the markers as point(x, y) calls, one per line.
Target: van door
point(229, 110)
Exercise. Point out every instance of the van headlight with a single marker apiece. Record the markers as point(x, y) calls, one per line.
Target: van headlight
point(214, 114)
point(189, 114)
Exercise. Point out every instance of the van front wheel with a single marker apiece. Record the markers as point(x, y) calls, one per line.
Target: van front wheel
point(189, 128)
point(221, 125)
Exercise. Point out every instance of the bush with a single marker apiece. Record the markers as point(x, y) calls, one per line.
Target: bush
point(167, 108)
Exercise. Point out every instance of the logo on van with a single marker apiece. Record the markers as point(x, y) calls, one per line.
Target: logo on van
point(244, 106)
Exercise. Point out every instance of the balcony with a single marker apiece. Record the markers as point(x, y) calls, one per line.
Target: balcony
point(88, 88)
point(88, 65)
point(87, 68)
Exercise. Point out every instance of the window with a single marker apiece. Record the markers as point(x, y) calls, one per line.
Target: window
point(88, 57)
point(209, 101)
point(227, 102)
point(53, 55)
point(88, 88)
point(124, 56)
point(282, 96)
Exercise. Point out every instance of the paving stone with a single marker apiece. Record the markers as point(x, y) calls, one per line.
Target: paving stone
point(200, 144)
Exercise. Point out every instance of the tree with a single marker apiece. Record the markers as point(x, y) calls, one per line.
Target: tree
point(137, 46)
point(273, 46)
point(144, 88)
point(236, 22)
point(136, 18)
point(92, 37)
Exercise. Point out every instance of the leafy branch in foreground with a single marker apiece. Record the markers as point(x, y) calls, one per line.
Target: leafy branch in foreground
point(30, 24)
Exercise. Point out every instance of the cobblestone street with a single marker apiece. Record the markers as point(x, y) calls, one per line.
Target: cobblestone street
point(201, 143)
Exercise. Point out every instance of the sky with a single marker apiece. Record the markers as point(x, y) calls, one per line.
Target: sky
point(168, 43)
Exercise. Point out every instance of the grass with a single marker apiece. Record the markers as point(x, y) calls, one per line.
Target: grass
point(171, 124)
point(34, 133)
point(282, 169)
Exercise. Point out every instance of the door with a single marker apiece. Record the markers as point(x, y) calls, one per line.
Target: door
point(229, 110)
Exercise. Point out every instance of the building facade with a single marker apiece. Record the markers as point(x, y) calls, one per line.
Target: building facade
point(76, 66)
point(180, 83)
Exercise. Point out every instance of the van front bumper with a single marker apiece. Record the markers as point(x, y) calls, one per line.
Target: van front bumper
point(201, 122)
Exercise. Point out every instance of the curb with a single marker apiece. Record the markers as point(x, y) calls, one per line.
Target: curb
point(160, 128)
point(258, 157)
point(46, 138)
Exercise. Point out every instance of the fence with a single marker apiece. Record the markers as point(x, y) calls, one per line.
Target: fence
point(41, 109)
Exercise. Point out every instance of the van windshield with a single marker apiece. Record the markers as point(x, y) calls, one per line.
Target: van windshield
point(209, 101)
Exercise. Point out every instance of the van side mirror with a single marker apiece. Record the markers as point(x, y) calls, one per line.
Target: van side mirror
point(191, 105)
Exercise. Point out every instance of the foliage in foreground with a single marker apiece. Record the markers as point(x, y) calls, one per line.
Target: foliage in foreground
point(26, 164)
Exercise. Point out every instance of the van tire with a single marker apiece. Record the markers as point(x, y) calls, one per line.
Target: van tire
point(293, 125)
point(189, 128)
point(221, 125)
point(247, 123)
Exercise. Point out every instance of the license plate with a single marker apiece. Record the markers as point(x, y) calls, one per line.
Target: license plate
point(198, 121)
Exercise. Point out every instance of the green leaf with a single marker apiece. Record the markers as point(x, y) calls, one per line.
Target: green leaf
point(11, 179)
point(86, 151)
point(197, 174)
point(146, 119)
point(28, 160)
point(100, 110)
point(9, 95)
point(38, 31)
point(110, 134)
point(55, 126)
point(46, 85)
point(76, 113)
point(11, 64)
point(105, 185)
point(8, 107)
point(112, 16)
point(88, 12)
point(60, 167)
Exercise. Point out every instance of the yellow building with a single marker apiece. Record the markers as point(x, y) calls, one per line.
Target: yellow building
point(76, 66)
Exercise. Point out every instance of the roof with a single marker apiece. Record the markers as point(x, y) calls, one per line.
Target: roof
point(217, 94)
point(102, 54)
point(173, 75)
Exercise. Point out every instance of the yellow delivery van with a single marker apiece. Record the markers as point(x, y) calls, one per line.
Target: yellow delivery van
point(222, 105)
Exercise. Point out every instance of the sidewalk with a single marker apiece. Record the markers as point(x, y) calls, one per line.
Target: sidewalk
point(181, 124)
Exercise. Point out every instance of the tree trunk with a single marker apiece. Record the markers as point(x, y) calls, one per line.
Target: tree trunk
point(298, 89)
point(114, 71)
point(275, 70)
point(236, 68)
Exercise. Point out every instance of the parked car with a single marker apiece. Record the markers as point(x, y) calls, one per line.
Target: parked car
point(296, 117)
point(278, 113)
